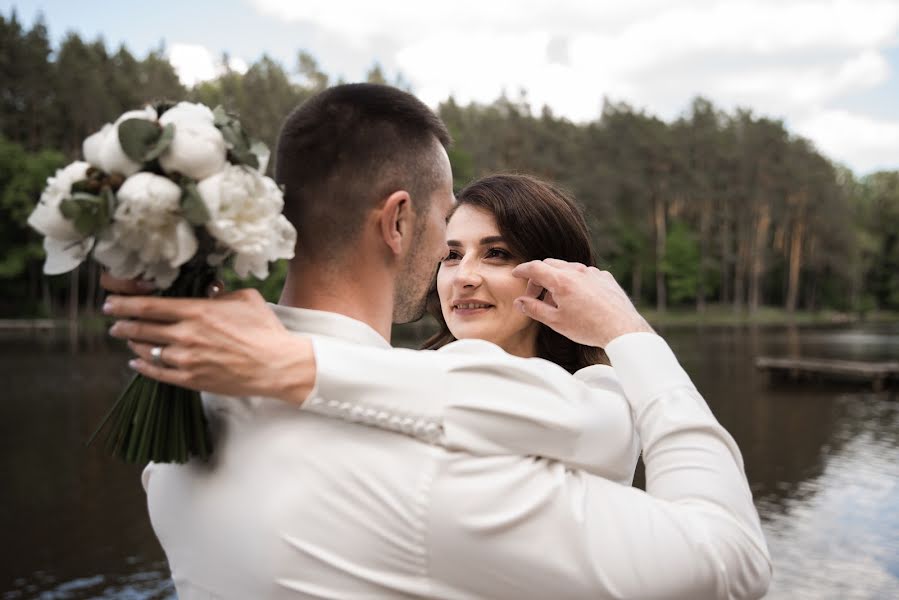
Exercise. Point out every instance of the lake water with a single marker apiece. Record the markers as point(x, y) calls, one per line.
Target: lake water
point(822, 459)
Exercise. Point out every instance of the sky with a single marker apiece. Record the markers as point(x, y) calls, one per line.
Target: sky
point(828, 69)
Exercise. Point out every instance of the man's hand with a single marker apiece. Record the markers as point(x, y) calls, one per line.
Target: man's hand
point(232, 345)
point(582, 303)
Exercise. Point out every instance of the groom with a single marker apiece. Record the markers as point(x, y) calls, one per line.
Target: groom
point(296, 503)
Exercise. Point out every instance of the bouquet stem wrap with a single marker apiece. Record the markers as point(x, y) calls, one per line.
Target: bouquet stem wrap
point(159, 422)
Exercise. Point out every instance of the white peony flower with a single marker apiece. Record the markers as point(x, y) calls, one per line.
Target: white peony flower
point(148, 237)
point(198, 148)
point(93, 143)
point(111, 157)
point(65, 247)
point(245, 215)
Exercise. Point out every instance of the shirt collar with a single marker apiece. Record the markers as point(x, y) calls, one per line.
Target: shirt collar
point(319, 322)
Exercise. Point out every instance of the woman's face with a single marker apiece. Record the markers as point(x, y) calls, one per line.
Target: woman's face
point(476, 286)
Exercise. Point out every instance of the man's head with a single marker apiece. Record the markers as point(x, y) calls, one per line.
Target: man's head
point(358, 148)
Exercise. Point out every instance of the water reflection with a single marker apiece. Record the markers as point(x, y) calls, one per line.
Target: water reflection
point(823, 462)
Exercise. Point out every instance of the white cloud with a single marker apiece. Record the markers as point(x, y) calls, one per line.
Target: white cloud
point(794, 59)
point(787, 89)
point(865, 144)
point(194, 63)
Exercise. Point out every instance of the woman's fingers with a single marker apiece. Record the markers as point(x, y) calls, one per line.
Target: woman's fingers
point(125, 286)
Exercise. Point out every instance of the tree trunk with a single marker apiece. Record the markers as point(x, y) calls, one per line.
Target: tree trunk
point(795, 263)
point(705, 220)
point(726, 255)
point(740, 270)
point(90, 299)
point(73, 295)
point(763, 222)
point(659, 220)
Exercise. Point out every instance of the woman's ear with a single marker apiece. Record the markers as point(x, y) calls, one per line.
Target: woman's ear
point(396, 221)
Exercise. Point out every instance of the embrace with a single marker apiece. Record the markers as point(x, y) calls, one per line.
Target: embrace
point(495, 463)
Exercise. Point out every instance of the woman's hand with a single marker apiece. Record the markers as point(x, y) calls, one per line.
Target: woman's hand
point(582, 303)
point(232, 345)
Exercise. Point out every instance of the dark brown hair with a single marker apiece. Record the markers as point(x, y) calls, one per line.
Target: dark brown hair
point(346, 148)
point(537, 220)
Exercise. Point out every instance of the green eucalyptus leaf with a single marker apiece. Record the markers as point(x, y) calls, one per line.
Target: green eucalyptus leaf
point(108, 205)
point(87, 223)
point(233, 137)
point(88, 213)
point(168, 133)
point(220, 116)
point(82, 186)
point(83, 198)
point(137, 137)
point(192, 206)
point(243, 156)
point(68, 208)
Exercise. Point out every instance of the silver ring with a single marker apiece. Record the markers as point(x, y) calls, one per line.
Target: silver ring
point(156, 356)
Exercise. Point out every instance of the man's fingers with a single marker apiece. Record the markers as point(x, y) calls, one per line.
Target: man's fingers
point(157, 334)
point(153, 308)
point(539, 273)
point(537, 309)
point(548, 299)
point(132, 287)
point(565, 265)
point(534, 290)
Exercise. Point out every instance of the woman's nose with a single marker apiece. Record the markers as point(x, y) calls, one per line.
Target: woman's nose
point(468, 275)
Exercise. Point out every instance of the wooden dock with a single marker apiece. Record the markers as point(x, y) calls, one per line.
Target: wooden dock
point(878, 374)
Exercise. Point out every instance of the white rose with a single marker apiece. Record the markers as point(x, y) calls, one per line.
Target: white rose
point(245, 215)
point(111, 157)
point(198, 148)
point(65, 247)
point(93, 143)
point(148, 237)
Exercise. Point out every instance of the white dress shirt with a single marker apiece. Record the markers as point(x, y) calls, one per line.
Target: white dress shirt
point(299, 505)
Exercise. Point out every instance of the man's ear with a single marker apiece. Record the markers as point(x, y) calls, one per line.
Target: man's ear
point(396, 221)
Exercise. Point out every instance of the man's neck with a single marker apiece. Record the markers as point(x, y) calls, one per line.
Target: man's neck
point(350, 292)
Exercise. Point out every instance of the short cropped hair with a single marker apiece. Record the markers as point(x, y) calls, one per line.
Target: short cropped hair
point(347, 148)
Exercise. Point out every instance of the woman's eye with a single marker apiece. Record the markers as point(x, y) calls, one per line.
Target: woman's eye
point(451, 255)
point(498, 253)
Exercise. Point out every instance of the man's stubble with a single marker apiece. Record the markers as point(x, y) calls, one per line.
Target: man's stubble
point(414, 281)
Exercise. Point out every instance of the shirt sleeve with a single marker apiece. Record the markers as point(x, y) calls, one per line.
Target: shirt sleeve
point(505, 526)
point(501, 405)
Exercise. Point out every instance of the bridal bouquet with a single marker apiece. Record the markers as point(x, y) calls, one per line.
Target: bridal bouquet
point(167, 193)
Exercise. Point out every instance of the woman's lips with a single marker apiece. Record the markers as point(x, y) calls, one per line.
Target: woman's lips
point(471, 308)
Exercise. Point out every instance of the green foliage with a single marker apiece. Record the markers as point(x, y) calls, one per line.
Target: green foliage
point(270, 287)
point(681, 263)
point(142, 140)
point(728, 208)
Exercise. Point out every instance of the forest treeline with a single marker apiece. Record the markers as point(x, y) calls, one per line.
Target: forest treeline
point(711, 208)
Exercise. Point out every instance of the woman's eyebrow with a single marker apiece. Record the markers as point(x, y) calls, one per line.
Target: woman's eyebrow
point(492, 239)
